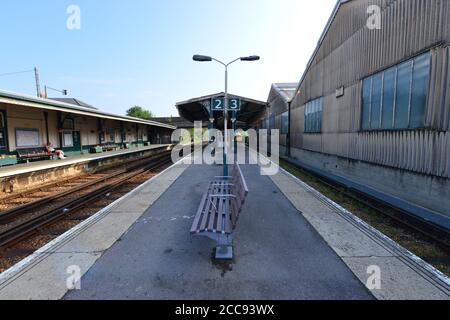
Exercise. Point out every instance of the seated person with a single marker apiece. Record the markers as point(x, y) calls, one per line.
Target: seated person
point(52, 150)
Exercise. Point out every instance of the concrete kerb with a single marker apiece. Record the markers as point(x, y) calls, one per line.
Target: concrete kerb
point(15, 271)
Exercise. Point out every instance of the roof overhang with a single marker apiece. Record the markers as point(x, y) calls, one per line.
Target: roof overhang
point(287, 91)
point(40, 103)
point(196, 109)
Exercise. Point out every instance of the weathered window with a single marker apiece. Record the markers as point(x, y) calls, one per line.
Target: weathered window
point(26, 138)
point(396, 98)
point(367, 89)
point(402, 98)
point(419, 90)
point(67, 139)
point(375, 112)
point(313, 116)
point(388, 98)
point(284, 123)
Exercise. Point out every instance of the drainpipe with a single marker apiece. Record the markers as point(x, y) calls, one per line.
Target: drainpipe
point(100, 131)
point(46, 126)
point(60, 125)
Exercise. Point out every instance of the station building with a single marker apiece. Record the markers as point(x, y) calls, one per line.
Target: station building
point(70, 125)
point(372, 108)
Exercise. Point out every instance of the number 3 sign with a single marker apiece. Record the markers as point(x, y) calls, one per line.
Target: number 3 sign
point(233, 104)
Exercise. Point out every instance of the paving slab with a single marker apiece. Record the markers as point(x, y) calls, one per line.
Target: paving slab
point(398, 281)
point(404, 276)
point(44, 274)
point(278, 254)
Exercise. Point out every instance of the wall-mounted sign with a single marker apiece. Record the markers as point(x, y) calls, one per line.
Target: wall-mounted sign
point(218, 104)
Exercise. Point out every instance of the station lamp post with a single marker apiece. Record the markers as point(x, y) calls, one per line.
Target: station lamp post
point(201, 58)
point(63, 92)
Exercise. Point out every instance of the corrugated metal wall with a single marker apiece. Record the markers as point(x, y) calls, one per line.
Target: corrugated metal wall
point(350, 52)
point(278, 106)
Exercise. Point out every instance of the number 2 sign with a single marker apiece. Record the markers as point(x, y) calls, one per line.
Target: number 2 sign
point(233, 104)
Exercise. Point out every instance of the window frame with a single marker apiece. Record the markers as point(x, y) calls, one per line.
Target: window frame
point(412, 61)
point(67, 132)
point(34, 130)
point(313, 114)
point(284, 115)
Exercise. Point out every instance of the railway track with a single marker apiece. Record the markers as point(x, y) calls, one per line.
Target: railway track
point(13, 201)
point(22, 221)
point(430, 230)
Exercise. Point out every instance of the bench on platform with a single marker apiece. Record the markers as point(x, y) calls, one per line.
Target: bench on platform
point(28, 154)
point(219, 211)
point(109, 147)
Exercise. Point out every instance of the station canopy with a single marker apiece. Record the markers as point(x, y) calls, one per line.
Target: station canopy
point(197, 109)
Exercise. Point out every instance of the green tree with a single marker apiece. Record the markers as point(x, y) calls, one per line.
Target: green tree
point(139, 112)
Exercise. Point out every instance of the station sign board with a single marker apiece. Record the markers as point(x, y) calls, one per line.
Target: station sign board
point(218, 104)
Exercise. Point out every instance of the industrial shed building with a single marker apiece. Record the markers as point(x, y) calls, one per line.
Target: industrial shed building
point(278, 113)
point(373, 106)
point(30, 122)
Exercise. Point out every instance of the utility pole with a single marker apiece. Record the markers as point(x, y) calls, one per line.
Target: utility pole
point(38, 85)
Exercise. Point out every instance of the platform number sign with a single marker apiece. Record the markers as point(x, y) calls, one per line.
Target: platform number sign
point(234, 104)
point(218, 104)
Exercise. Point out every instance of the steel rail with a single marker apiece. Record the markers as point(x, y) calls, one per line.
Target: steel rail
point(12, 213)
point(30, 226)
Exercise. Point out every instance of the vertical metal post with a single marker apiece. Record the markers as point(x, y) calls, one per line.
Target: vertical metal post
point(288, 140)
point(38, 84)
point(225, 153)
point(46, 127)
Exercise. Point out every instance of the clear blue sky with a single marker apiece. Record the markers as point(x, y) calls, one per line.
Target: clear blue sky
point(139, 52)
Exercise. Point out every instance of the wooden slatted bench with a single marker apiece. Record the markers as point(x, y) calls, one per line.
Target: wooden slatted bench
point(28, 154)
point(109, 147)
point(219, 211)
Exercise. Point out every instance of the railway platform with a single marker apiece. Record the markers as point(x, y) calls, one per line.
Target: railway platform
point(291, 243)
point(21, 177)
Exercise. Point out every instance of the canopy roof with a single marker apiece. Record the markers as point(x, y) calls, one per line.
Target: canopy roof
point(196, 109)
point(48, 104)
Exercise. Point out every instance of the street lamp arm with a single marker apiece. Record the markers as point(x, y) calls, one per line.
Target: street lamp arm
point(222, 63)
point(232, 62)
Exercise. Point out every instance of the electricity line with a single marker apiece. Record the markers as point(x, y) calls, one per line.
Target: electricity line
point(13, 73)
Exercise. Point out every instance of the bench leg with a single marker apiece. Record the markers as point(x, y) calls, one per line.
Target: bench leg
point(224, 249)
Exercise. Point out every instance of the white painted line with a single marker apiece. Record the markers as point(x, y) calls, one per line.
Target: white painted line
point(52, 246)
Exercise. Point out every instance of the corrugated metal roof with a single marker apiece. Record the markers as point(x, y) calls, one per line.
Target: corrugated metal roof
point(322, 37)
point(30, 101)
point(196, 109)
point(75, 102)
point(286, 90)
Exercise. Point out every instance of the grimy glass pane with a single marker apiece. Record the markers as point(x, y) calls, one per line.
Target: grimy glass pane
point(388, 98)
point(313, 111)
point(316, 116)
point(376, 101)
point(306, 118)
point(420, 90)
point(403, 93)
point(310, 117)
point(320, 114)
point(367, 84)
point(284, 123)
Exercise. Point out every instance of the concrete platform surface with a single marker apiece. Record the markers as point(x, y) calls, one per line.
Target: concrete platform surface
point(291, 243)
point(23, 168)
point(278, 255)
